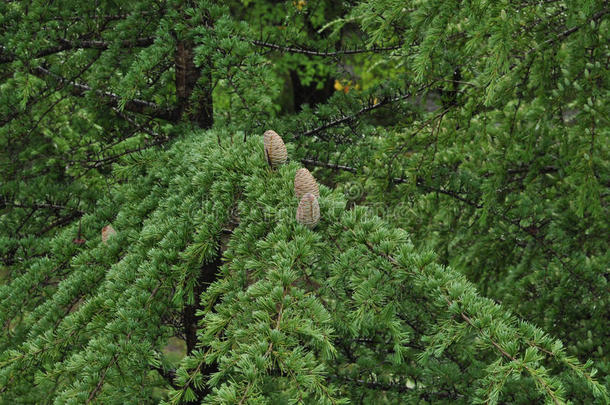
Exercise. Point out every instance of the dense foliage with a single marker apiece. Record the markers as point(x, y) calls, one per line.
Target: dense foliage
point(462, 252)
point(340, 312)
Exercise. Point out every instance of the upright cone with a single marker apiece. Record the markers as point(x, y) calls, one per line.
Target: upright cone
point(308, 211)
point(275, 150)
point(304, 183)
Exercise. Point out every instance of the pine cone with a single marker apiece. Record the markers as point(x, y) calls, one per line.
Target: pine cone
point(107, 232)
point(304, 182)
point(308, 211)
point(275, 150)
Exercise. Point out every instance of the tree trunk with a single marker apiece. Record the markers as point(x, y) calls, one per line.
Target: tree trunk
point(190, 320)
point(207, 275)
point(194, 97)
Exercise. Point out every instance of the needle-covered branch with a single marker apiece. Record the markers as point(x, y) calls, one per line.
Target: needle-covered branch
point(112, 99)
point(65, 45)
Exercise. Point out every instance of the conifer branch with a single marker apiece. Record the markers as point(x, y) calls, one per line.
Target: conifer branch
point(348, 118)
point(564, 34)
point(138, 126)
point(468, 320)
point(100, 383)
point(60, 222)
point(396, 180)
point(105, 18)
point(134, 105)
point(157, 139)
point(96, 164)
point(530, 231)
point(420, 183)
point(313, 162)
point(398, 387)
point(245, 103)
point(115, 357)
point(278, 319)
point(532, 372)
point(38, 350)
point(310, 52)
point(40, 206)
point(66, 45)
point(47, 92)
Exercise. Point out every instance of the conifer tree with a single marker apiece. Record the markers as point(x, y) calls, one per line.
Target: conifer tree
point(454, 250)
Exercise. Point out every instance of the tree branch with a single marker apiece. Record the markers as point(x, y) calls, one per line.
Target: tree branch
point(318, 163)
point(568, 32)
point(363, 110)
point(395, 180)
point(530, 231)
point(134, 105)
point(310, 52)
point(65, 45)
point(389, 386)
point(61, 221)
point(40, 206)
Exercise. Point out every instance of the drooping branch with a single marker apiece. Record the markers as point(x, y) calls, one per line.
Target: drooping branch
point(365, 109)
point(190, 319)
point(395, 180)
point(95, 164)
point(138, 126)
point(562, 35)
point(399, 387)
point(115, 357)
point(419, 182)
point(65, 45)
point(134, 105)
point(479, 330)
point(318, 163)
point(531, 231)
point(303, 51)
point(60, 222)
point(105, 17)
point(39, 206)
point(157, 139)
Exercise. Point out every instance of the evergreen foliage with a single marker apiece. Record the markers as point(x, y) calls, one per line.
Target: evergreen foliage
point(461, 254)
point(349, 310)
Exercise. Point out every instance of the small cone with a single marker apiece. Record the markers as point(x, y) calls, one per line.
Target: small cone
point(304, 183)
point(107, 232)
point(308, 211)
point(275, 150)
